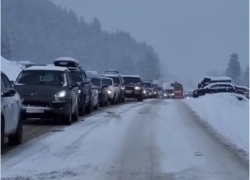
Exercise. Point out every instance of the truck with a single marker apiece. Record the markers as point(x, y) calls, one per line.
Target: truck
point(178, 90)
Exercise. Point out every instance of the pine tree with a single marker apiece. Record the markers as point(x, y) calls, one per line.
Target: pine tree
point(246, 76)
point(5, 45)
point(233, 68)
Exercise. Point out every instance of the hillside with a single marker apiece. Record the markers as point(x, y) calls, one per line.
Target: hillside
point(11, 69)
point(40, 31)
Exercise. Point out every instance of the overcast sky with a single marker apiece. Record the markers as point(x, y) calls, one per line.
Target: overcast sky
point(190, 36)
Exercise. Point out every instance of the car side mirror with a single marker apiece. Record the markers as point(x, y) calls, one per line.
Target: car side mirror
point(8, 92)
point(12, 83)
point(73, 86)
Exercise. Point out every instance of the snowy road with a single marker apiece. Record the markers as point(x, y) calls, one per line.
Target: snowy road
point(153, 140)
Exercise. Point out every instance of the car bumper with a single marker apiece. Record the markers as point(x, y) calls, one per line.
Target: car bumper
point(57, 108)
point(132, 93)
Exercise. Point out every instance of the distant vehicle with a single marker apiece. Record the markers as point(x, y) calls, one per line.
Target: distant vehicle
point(155, 91)
point(160, 92)
point(178, 90)
point(102, 90)
point(119, 83)
point(48, 92)
point(148, 86)
point(11, 117)
point(133, 87)
point(242, 90)
point(79, 77)
point(112, 90)
point(207, 80)
point(91, 74)
point(188, 95)
point(95, 97)
point(219, 87)
point(111, 72)
point(169, 92)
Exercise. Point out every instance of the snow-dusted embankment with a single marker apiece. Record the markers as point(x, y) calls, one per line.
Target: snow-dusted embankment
point(226, 117)
point(11, 69)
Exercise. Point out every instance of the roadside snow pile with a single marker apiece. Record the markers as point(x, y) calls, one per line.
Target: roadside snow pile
point(11, 69)
point(226, 117)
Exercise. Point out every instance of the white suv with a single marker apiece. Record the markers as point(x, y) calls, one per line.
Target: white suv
point(11, 107)
point(112, 90)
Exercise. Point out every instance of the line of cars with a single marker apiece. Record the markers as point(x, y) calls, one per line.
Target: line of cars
point(62, 92)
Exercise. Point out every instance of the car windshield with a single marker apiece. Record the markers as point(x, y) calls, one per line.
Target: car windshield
point(159, 89)
point(106, 81)
point(41, 77)
point(169, 90)
point(75, 77)
point(178, 88)
point(149, 85)
point(131, 80)
point(115, 79)
point(96, 81)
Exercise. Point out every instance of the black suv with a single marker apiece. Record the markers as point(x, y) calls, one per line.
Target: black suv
point(48, 92)
point(79, 77)
point(133, 87)
point(102, 90)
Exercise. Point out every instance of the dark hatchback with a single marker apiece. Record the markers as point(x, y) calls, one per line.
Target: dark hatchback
point(102, 90)
point(47, 92)
point(133, 87)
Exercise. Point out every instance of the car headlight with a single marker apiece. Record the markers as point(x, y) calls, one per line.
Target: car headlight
point(79, 91)
point(164, 94)
point(154, 92)
point(137, 88)
point(123, 87)
point(109, 91)
point(60, 94)
point(144, 92)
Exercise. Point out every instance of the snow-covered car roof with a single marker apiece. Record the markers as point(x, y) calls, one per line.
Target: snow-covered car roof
point(131, 76)
point(111, 75)
point(49, 68)
point(221, 79)
point(67, 59)
point(91, 72)
point(218, 83)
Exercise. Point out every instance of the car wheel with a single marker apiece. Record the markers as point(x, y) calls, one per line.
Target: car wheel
point(16, 138)
point(113, 101)
point(106, 102)
point(68, 119)
point(76, 115)
point(123, 99)
point(140, 99)
point(89, 108)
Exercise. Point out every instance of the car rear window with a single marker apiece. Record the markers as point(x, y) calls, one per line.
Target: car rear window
point(41, 77)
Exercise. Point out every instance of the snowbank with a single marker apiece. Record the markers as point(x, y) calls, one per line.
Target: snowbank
point(11, 69)
point(226, 117)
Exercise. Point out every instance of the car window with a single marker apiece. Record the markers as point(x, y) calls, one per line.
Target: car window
point(3, 87)
point(221, 86)
point(107, 81)
point(76, 77)
point(133, 80)
point(42, 77)
point(6, 81)
point(115, 79)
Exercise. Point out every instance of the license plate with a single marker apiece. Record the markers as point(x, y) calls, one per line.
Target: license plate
point(128, 91)
point(34, 110)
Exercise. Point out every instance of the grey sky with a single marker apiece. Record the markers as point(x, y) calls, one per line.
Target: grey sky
point(190, 36)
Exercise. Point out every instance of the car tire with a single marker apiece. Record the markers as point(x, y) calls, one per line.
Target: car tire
point(123, 99)
point(89, 108)
point(76, 115)
point(68, 119)
point(81, 111)
point(140, 98)
point(106, 103)
point(113, 101)
point(16, 138)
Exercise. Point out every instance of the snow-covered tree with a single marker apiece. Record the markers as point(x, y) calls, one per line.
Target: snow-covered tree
point(5, 44)
point(233, 68)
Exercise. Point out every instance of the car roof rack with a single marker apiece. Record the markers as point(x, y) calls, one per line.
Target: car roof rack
point(66, 62)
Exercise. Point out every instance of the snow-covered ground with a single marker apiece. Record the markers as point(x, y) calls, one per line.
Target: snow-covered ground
point(11, 69)
point(227, 117)
point(150, 140)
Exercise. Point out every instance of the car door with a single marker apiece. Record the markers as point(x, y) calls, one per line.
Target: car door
point(87, 88)
point(7, 108)
point(73, 92)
